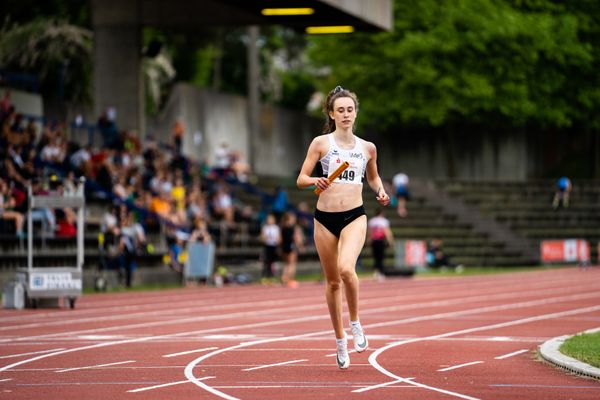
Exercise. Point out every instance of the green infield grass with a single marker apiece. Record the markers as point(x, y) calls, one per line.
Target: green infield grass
point(583, 347)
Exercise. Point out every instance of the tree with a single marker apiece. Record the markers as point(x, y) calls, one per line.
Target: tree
point(57, 53)
point(470, 62)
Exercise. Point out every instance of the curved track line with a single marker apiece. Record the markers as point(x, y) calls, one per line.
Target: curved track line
point(301, 319)
point(188, 371)
point(376, 353)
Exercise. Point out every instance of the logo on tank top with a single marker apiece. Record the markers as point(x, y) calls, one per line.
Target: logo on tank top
point(355, 155)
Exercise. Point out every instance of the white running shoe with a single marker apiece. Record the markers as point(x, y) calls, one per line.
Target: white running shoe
point(342, 357)
point(360, 340)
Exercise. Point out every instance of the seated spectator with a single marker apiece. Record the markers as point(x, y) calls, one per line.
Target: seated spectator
point(562, 193)
point(177, 251)
point(54, 152)
point(222, 205)
point(8, 212)
point(178, 192)
point(16, 169)
point(239, 167)
point(108, 129)
point(120, 187)
point(45, 215)
point(161, 204)
point(436, 258)
point(222, 160)
point(200, 231)
point(81, 161)
point(197, 205)
point(66, 223)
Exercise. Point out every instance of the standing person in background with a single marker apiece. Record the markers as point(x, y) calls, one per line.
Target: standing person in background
point(380, 236)
point(400, 182)
point(177, 132)
point(340, 218)
point(270, 235)
point(280, 203)
point(292, 242)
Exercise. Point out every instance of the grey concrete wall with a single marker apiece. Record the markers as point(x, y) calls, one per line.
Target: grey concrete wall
point(470, 155)
point(212, 117)
point(285, 136)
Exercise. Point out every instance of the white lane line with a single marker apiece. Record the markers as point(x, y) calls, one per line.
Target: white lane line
point(95, 366)
point(367, 388)
point(349, 352)
point(33, 352)
point(459, 366)
point(189, 352)
point(189, 367)
point(373, 358)
point(514, 353)
point(6, 380)
point(165, 385)
point(377, 366)
point(295, 387)
point(445, 302)
point(274, 365)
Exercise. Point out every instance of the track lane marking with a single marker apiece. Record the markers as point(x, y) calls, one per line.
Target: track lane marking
point(189, 368)
point(304, 319)
point(380, 385)
point(164, 385)
point(274, 365)
point(459, 366)
point(190, 374)
point(460, 288)
point(514, 353)
point(6, 380)
point(94, 366)
point(189, 352)
point(32, 353)
point(140, 302)
point(327, 332)
point(377, 366)
point(433, 303)
point(335, 354)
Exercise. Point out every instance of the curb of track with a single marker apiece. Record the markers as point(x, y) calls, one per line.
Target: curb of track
point(549, 352)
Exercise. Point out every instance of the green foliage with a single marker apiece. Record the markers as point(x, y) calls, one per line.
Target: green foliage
point(58, 54)
point(297, 87)
point(219, 60)
point(480, 62)
point(76, 12)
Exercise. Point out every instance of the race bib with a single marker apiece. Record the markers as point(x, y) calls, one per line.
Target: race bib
point(352, 174)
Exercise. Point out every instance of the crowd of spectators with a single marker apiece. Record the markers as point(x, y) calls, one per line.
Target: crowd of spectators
point(148, 182)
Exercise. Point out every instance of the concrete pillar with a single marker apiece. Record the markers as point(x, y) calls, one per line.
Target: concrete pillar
point(118, 80)
point(253, 94)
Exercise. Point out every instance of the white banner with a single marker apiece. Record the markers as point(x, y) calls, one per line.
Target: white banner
point(53, 281)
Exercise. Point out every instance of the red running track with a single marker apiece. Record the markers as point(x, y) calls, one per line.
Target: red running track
point(431, 338)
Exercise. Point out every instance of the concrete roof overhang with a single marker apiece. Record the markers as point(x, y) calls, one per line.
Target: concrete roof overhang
point(363, 15)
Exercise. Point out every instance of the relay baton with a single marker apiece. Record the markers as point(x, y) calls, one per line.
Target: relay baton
point(335, 174)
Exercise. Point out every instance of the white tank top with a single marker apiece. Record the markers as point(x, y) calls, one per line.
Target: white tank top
point(336, 156)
